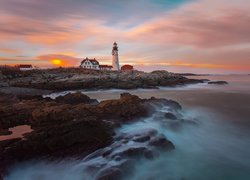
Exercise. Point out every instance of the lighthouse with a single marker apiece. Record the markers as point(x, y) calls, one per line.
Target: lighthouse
point(115, 63)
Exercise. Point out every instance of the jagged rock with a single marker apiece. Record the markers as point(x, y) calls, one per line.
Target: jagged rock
point(162, 142)
point(170, 116)
point(63, 129)
point(141, 138)
point(131, 152)
point(145, 132)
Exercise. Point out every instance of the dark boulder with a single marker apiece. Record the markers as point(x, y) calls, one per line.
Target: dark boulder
point(218, 82)
point(162, 142)
point(130, 152)
point(128, 107)
point(66, 127)
point(76, 98)
point(111, 173)
point(75, 138)
point(148, 154)
point(141, 138)
point(5, 132)
point(170, 116)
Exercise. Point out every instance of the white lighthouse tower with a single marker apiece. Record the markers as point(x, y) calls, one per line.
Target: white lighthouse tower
point(115, 63)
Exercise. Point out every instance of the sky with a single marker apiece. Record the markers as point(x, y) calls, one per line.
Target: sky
point(197, 36)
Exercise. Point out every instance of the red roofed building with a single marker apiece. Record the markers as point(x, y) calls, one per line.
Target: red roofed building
point(106, 67)
point(127, 68)
point(24, 67)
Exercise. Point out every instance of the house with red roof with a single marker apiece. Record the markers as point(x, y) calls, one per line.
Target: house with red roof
point(24, 67)
point(105, 67)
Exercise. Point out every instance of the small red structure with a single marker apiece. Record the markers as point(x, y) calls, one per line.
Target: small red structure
point(127, 68)
point(24, 67)
point(105, 67)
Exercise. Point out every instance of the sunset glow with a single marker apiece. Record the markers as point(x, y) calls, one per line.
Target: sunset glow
point(56, 62)
point(207, 35)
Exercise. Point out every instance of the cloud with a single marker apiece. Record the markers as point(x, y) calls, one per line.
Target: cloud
point(181, 33)
point(65, 60)
point(197, 25)
point(9, 51)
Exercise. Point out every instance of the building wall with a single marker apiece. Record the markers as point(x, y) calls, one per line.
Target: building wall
point(25, 69)
point(106, 69)
point(115, 62)
point(89, 65)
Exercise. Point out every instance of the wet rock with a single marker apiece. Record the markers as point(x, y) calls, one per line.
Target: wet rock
point(100, 152)
point(218, 82)
point(117, 158)
point(164, 102)
point(148, 154)
point(92, 169)
point(142, 133)
point(109, 174)
point(131, 152)
point(5, 132)
point(128, 107)
point(126, 165)
point(170, 116)
point(187, 121)
point(29, 97)
point(141, 138)
point(7, 143)
point(107, 152)
point(76, 98)
point(68, 139)
point(65, 128)
point(161, 142)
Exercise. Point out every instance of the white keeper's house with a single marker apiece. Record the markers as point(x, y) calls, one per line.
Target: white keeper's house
point(90, 64)
point(94, 64)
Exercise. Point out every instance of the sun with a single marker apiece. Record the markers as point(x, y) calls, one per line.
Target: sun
point(57, 62)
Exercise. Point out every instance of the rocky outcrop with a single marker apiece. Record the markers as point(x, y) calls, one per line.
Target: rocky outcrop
point(75, 98)
point(218, 82)
point(4, 132)
point(119, 158)
point(76, 125)
point(62, 79)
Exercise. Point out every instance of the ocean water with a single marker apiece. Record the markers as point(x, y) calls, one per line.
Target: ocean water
point(216, 148)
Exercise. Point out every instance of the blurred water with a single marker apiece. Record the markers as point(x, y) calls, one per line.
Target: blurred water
point(217, 148)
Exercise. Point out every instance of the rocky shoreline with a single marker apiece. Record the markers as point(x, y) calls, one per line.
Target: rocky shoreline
point(62, 79)
point(76, 126)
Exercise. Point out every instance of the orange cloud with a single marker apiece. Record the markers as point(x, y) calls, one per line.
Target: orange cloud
point(9, 51)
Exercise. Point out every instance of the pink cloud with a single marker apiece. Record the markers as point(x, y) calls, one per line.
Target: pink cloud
point(198, 25)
